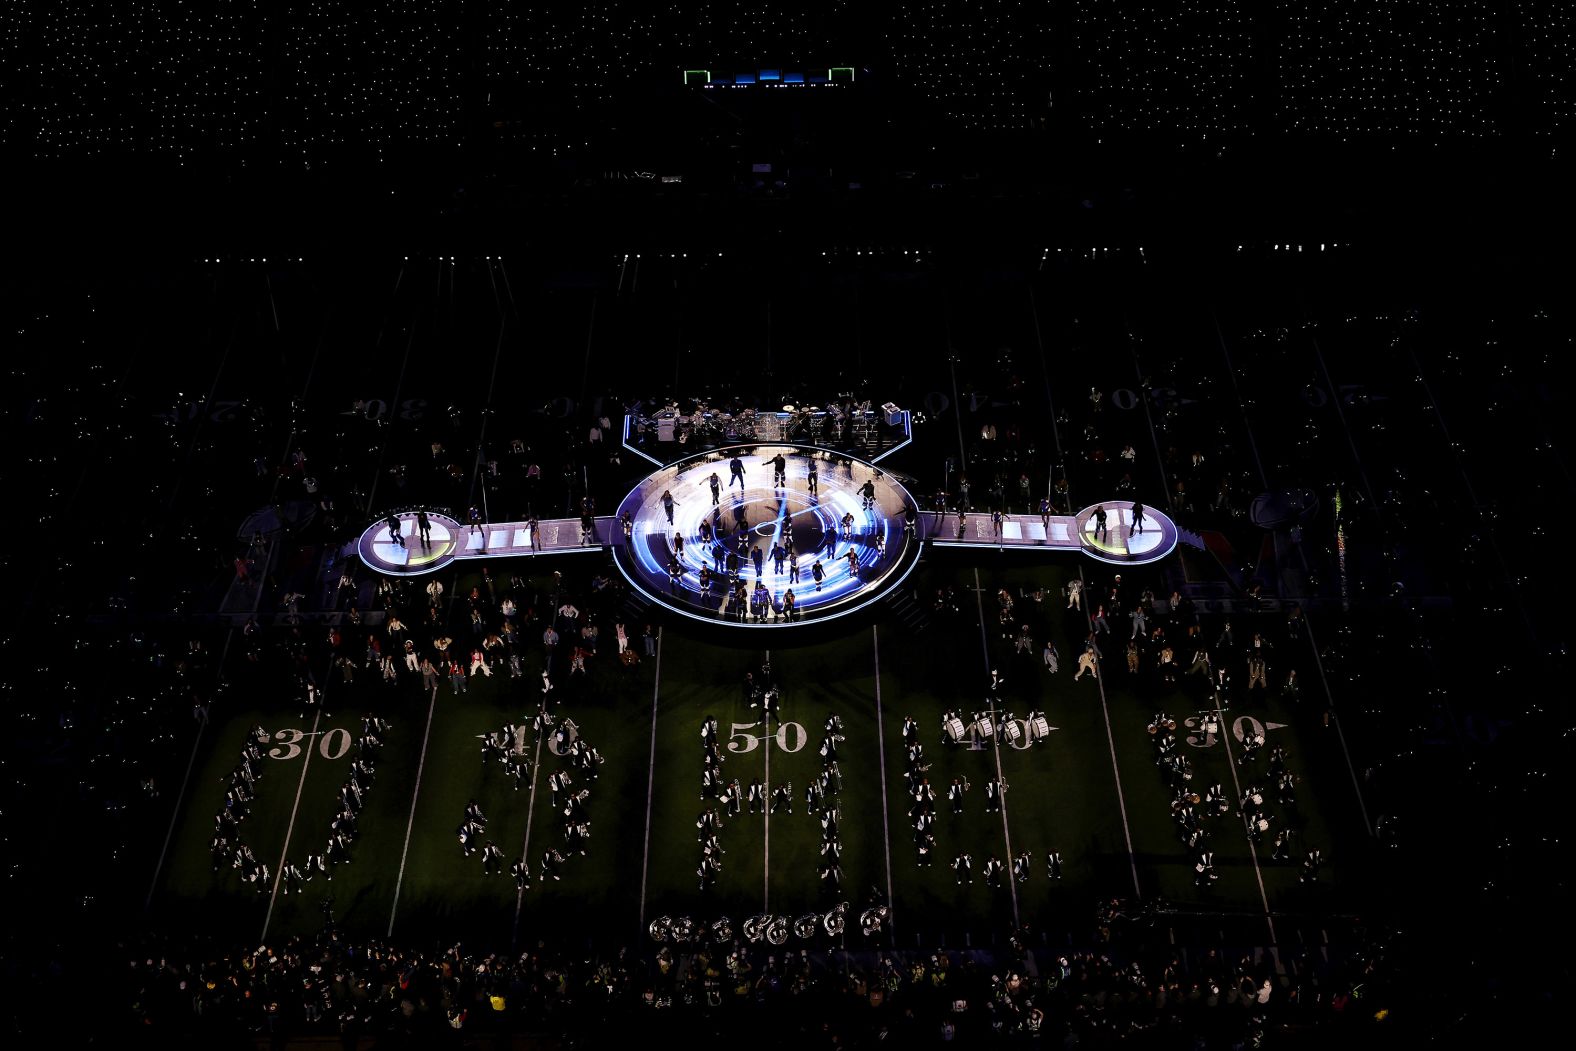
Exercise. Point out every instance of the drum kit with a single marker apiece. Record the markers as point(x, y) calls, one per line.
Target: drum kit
point(737, 427)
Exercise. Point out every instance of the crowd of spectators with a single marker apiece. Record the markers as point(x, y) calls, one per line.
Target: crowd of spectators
point(1101, 995)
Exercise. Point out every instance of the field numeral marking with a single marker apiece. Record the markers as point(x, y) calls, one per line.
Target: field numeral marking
point(1244, 723)
point(1200, 739)
point(332, 744)
point(291, 740)
point(1240, 728)
point(1022, 744)
point(343, 737)
point(741, 733)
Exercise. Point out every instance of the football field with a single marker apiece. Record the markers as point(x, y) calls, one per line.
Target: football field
point(1090, 790)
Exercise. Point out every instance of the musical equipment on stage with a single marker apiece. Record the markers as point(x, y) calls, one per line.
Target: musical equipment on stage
point(955, 729)
point(1039, 728)
point(1011, 731)
point(984, 727)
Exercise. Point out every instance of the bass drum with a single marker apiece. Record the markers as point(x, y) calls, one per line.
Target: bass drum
point(660, 928)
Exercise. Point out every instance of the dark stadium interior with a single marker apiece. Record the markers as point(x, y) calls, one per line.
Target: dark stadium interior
point(1295, 274)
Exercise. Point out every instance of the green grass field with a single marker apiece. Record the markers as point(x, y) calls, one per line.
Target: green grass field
point(1090, 791)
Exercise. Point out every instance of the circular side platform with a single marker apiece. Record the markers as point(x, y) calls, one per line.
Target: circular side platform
point(1125, 542)
point(850, 523)
point(410, 556)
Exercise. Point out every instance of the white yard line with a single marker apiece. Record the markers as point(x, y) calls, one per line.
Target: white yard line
point(257, 604)
point(1110, 740)
point(651, 782)
point(411, 823)
point(454, 591)
point(1099, 681)
point(180, 797)
point(1324, 682)
point(979, 602)
point(886, 828)
point(279, 873)
point(1001, 797)
point(525, 848)
point(766, 747)
point(399, 386)
point(1225, 737)
point(1340, 733)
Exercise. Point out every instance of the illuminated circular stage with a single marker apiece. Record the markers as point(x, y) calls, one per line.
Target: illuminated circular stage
point(806, 534)
point(408, 552)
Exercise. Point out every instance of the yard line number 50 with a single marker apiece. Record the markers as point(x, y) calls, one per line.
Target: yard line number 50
point(741, 740)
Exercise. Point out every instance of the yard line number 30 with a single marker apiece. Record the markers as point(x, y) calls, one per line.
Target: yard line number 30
point(331, 744)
